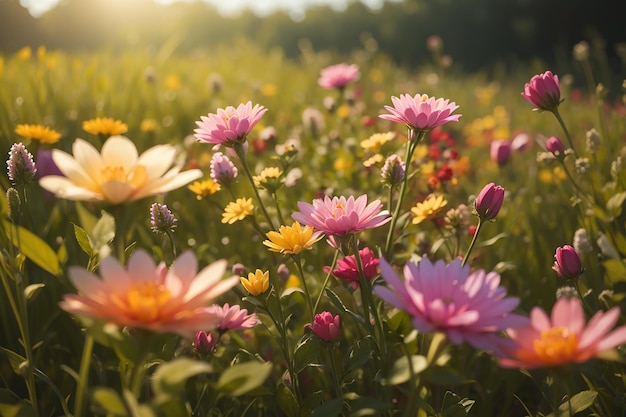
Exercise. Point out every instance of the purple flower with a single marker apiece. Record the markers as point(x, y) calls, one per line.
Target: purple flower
point(489, 201)
point(392, 173)
point(543, 91)
point(466, 306)
point(205, 342)
point(229, 125)
point(421, 112)
point(223, 171)
point(567, 262)
point(326, 326)
point(161, 218)
point(340, 215)
point(338, 76)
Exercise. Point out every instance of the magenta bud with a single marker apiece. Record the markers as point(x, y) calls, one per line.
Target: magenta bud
point(567, 263)
point(555, 146)
point(501, 151)
point(543, 91)
point(489, 201)
point(205, 342)
point(326, 326)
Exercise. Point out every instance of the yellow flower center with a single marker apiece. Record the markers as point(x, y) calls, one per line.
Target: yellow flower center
point(556, 345)
point(136, 177)
point(338, 211)
point(145, 300)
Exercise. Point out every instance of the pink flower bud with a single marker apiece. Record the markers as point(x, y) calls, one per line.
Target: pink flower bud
point(501, 151)
point(543, 91)
point(555, 146)
point(567, 262)
point(325, 326)
point(205, 342)
point(489, 201)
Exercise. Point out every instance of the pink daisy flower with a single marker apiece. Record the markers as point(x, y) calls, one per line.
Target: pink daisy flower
point(233, 317)
point(467, 307)
point(563, 337)
point(421, 112)
point(149, 296)
point(338, 76)
point(229, 125)
point(340, 215)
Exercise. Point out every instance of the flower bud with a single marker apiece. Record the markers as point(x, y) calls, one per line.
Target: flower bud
point(325, 326)
point(556, 147)
point(489, 201)
point(205, 342)
point(13, 199)
point(161, 219)
point(543, 91)
point(20, 165)
point(593, 140)
point(582, 244)
point(500, 151)
point(567, 262)
point(223, 171)
point(392, 173)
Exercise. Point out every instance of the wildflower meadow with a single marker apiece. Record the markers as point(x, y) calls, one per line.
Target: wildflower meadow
point(235, 233)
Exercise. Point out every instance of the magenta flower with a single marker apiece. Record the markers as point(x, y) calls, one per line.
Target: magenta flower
point(338, 76)
point(205, 342)
point(466, 306)
point(489, 201)
point(233, 317)
point(326, 326)
point(501, 151)
point(567, 263)
point(229, 125)
point(543, 91)
point(421, 112)
point(563, 337)
point(347, 268)
point(555, 146)
point(340, 215)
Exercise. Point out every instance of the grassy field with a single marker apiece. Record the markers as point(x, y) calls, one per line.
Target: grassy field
point(315, 137)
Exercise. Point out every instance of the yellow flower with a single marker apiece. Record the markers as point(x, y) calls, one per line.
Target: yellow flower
point(343, 111)
point(292, 282)
point(237, 210)
point(104, 126)
point(373, 160)
point(428, 209)
point(269, 90)
point(24, 53)
point(172, 82)
point(41, 52)
point(291, 240)
point(204, 188)
point(256, 283)
point(38, 132)
point(269, 178)
point(118, 173)
point(148, 125)
point(374, 142)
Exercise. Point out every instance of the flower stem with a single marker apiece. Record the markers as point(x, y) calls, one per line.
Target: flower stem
point(330, 271)
point(238, 147)
point(307, 293)
point(567, 135)
point(471, 246)
point(83, 376)
point(411, 145)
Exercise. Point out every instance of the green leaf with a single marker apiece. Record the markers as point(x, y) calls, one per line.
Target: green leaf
point(368, 406)
point(15, 359)
point(306, 353)
point(242, 378)
point(83, 240)
point(34, 248)
point(287, 401)
point(615, 204)
point(579, 402)
point(109, 401)
point(13, 406)
point(104, 230)
point(358, 356)
point(330, 408)
point(615, 270)
point(491, 241)
point(455, 406)
point(30, 291)
point(170, 377)
point(400, 371)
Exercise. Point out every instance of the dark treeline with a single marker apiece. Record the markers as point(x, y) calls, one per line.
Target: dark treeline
point(476, 33)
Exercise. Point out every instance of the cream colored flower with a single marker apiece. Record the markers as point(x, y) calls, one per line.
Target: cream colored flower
point(117, 174)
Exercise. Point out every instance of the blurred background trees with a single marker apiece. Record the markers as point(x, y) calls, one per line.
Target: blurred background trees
point(476, 33)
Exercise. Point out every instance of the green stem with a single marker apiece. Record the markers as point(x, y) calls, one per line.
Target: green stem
point(280, 215)
point(471, 246)
point(238, 147)
point(333, 368)
point(83, 377)
point(567, 135)
point(330, 271)
point(411, 145)
point(307, 293)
